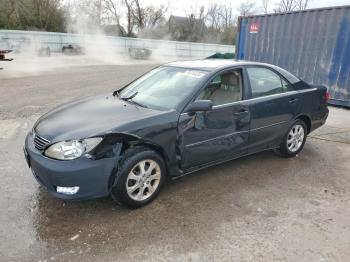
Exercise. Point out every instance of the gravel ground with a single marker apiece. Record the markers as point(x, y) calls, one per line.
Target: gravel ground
point(258, 208)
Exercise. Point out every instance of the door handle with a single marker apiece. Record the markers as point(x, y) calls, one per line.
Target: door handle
point(241, 111)
point(292, 100)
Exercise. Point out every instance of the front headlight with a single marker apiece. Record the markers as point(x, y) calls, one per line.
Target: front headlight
point(68, 150)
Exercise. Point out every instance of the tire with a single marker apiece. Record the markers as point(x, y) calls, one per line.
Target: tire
point(136, 185)
point(291, 146)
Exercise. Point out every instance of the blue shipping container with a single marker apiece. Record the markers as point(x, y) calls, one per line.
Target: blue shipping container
point(312, 44)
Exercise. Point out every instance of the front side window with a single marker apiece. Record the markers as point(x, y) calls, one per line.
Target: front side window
point(224, 88)
point(264, 82)
point(164, 87)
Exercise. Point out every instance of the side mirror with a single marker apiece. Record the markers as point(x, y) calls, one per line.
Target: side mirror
point(200, 105)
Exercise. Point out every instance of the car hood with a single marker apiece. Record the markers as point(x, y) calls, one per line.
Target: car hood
point(91, 116)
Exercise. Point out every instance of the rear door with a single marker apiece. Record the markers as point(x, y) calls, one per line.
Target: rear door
point(273, 105)
point(221, 133)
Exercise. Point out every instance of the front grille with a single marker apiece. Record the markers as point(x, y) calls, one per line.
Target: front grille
point(40, 143)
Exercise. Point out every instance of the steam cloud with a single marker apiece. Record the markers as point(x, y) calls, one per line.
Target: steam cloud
point(97, 49)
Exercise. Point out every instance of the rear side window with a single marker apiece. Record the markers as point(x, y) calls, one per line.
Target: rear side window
point(264, 82)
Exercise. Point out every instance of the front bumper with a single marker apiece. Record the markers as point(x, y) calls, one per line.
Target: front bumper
point(94, 177)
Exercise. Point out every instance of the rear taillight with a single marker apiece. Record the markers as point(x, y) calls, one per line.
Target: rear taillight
point(326, 96)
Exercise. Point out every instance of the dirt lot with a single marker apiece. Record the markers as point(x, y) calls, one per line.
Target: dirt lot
point(258, 208)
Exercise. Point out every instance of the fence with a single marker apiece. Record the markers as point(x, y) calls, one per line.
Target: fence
point(13, 39)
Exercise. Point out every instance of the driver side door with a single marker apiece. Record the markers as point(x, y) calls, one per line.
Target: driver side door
point(220, 133)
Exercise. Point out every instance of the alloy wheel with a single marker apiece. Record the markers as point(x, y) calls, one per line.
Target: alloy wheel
point(143, 180)
point(295, 138)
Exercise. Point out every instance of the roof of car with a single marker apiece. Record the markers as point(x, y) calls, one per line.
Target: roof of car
point(212, 64)
point(217, 64)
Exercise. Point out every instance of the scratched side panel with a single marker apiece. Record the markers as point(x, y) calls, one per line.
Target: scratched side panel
point(312, 44)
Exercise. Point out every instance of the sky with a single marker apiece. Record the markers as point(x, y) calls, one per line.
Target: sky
point(180, 7)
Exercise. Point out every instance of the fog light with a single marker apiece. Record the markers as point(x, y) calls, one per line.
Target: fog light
point(67, 190)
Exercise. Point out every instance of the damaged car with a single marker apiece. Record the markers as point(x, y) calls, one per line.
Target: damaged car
point(72, 49)
point(174, 120)
point(139, 53)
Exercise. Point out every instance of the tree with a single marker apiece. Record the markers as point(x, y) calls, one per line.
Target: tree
point(213, 17)
point(9, 15)
point(228, 28)
point(265, 6)
point(138, 16)
point(302, 4)
point(291, 5)
point(113, 12)
point(221, 22)
point(32, 14)
point(129, 17)
point(286, 6)
point(247, 8)
point(48, 15)
point(214, 23)
point(147, 16)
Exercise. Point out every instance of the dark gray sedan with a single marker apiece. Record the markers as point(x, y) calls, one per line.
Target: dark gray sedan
point(174, 120)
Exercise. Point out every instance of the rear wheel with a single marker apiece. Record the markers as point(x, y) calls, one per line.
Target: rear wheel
point(294, 140)
point(140, 177)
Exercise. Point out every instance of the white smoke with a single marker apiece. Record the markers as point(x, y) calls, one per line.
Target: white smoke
point(97, 49)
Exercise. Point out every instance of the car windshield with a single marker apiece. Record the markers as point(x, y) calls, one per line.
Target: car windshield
point(163, 88)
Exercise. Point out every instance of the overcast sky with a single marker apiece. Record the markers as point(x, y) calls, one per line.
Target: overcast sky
point(179, 7)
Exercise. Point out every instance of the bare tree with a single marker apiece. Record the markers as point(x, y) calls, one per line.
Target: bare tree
point(213, 17)
point(265, 6)
point(302, 4)
point(112, 9)
point(138, 14)
point(196, 18)
point(286, 6)
point(154, 15)
point(220, 22)
point(228, 28)
point(129, 16)
point(291, 5)
point(227, 16)
point(247, 8)
point(196, 13)
point(147, 16)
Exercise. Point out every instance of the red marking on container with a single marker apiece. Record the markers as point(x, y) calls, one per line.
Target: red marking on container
point(254, 28)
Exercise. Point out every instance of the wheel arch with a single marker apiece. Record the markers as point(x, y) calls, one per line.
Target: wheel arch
point(130, 140)
point(127, 141)
point(307, 120)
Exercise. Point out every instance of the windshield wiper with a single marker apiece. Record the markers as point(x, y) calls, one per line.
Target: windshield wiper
point(129, 99)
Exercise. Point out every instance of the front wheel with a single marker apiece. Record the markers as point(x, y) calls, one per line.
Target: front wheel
point(294, 140)
point(139, 178)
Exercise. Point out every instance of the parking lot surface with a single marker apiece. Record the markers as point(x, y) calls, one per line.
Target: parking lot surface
point(257, 208)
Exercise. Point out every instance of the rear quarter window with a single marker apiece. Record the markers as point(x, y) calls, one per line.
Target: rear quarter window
point(287, 75)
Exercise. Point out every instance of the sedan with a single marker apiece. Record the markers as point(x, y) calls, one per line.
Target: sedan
point(174, 120)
